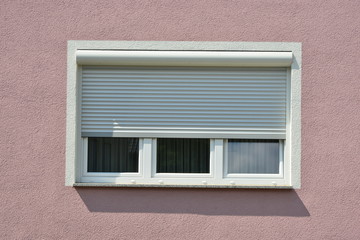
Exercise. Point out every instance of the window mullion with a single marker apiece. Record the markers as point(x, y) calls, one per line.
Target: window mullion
point(218, 159)
point(84, 164)
point(147, 157)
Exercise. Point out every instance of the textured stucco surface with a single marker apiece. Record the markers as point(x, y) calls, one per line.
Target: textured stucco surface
point(35, 204)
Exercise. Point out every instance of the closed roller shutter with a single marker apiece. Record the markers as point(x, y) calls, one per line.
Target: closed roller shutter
point(209, 102)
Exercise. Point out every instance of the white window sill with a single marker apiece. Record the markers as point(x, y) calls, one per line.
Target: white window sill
point(180, 186)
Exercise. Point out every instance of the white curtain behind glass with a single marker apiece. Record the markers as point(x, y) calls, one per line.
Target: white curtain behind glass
point(253, 156)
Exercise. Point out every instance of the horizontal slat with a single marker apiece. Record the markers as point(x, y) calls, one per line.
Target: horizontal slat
point(186, 108)
point(182, 77)
point(158, 81)
point(97, 97)
point(110, 97)
point(187, 128)
point(111, 125)
point(193, 71)
point(181, 89)
point(170, 119)
point(102, 112)
point(197, 92)
point(173, 114)
point(167, 104)
point(104, 85)
point(163, 101)
point(242, 100)
point(184, 101)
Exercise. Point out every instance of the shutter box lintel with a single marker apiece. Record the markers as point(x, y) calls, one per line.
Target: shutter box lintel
point(185, 58)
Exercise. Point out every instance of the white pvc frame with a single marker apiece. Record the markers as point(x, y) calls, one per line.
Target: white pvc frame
point(147, 169)
point(292, 145)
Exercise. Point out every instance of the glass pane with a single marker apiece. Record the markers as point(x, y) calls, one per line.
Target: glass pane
point(253, 156)
point(176, 155)
point(113, 154)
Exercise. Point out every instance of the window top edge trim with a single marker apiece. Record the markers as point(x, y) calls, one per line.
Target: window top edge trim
point(185, 45)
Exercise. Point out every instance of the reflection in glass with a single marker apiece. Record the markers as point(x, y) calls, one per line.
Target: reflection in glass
point(253, 156)
point(176, 155)
point(113, 154)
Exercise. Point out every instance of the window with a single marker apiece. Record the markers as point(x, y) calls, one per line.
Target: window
point(189, 114)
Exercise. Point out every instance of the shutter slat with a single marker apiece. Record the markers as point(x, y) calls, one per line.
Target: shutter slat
point(201, 108)
point(186, 104)
point(215, 92)
point(105, 97)
point(87, 113)
point(177, 99)
point(180, 89)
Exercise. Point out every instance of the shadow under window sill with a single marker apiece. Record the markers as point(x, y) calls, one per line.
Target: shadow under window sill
point(203, 201)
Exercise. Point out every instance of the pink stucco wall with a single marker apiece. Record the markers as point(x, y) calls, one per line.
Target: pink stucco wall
point(35, 204)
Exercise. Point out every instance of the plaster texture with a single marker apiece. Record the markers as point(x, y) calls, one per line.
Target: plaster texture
point(35, 204)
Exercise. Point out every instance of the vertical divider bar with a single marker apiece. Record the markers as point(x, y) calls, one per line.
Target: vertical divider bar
point(141, 157)
point(147, 158)
point(225, 158)
point(212, 157)
point(218, 160)
point(154, 157)
point(84, 157)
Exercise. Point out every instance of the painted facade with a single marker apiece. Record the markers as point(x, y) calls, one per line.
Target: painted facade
point(36, 204)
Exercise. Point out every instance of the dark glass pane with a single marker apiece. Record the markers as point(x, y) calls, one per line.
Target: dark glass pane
point(176, 155)
point(253, 156)
point(113, 154)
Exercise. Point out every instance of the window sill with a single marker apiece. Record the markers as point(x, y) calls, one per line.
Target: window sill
point(180, 186)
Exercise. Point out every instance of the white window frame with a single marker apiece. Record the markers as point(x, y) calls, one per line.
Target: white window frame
point(76, 146)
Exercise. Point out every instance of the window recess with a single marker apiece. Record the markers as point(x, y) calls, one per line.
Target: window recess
point(204, 118)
